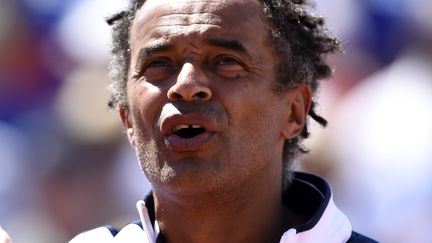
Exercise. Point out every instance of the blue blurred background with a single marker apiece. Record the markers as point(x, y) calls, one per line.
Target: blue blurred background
point(65, 165)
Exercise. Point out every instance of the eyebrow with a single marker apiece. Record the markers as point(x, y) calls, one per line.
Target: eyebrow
point(150, 49)
point(161, 46)
point(233, 45)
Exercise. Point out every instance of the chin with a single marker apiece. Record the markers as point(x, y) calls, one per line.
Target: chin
point(185, 174)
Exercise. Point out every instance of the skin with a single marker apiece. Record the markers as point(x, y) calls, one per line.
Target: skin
point(210, 61)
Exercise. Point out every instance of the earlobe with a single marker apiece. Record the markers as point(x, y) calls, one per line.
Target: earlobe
point(126, 120)
point(299, 100)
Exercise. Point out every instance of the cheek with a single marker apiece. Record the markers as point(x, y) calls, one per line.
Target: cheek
point(259, 121)
point(145, 101)
point(248, 105)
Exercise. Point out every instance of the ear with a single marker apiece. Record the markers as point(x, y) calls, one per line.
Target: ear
point(299, 100)
point(127, 123)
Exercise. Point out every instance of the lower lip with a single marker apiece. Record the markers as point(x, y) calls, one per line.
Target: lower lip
point(179, 144)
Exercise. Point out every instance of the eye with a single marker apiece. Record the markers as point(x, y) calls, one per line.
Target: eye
point(227, 61)
point(228, 67)
point(163, 62)
point(156, 69)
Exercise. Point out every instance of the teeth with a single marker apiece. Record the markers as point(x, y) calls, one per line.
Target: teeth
point(184, 126)
point(178, 127)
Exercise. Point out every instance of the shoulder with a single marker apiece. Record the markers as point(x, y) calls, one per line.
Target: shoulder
point(358, 238)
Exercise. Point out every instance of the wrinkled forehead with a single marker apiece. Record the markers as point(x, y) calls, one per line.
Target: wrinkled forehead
point(166, 14)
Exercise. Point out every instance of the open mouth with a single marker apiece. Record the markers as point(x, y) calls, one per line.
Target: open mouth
point(188, 131)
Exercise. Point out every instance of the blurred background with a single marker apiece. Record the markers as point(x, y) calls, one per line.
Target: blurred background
point(65, 165)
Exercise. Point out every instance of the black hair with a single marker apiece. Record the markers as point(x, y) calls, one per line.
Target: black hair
point(298, 37)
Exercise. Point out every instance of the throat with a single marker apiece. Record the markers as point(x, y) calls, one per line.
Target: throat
point(229, 219)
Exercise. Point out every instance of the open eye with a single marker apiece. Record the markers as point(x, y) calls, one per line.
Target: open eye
point(158, 63)
point(156, 69)
point(229, 67)
point(228, 61)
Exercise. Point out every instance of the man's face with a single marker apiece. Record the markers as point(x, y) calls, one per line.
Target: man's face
point(203, 113)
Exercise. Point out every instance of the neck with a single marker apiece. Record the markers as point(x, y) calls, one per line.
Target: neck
point(250, 212)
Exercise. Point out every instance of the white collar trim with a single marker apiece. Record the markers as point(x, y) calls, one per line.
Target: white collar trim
point(333, 227)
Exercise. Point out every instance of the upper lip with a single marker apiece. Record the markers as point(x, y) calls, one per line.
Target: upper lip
point(169, 123)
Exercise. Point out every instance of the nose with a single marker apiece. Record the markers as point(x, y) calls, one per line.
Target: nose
point(191, 84)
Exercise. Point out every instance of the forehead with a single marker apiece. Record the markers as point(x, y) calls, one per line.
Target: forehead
point(170, 18)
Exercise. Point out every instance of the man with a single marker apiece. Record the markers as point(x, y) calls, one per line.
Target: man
point(214, 96)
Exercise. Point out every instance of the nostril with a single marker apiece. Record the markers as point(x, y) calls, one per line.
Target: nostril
point(201, 95)
point(176, 96)
point(189, 91)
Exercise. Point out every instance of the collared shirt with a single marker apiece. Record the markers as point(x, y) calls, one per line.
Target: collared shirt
point(308, 195)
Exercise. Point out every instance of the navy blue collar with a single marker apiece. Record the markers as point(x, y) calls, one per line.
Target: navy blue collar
point(307, 194)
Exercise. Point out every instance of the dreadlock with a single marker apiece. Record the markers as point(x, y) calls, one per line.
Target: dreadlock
point(299, 37)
